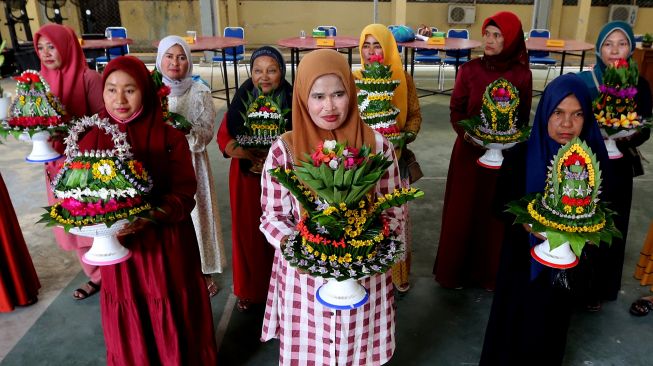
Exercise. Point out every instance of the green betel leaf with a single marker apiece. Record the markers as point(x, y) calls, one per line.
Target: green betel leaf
point(577, 243)
point(349, 176)
point(326, 174)
point(556, 238)
point(339, 177)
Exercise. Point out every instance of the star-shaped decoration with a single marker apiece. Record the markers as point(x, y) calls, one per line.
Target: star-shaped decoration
point(566, 190)
point(580, 191)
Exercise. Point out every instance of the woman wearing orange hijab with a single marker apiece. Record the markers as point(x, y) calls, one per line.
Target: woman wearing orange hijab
point(323, 107)
point(63, 66)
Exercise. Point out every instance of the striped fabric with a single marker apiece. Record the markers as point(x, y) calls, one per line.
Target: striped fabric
point(309, 333)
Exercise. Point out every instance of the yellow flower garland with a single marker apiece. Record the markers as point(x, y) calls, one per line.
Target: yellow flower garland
point(561, 227)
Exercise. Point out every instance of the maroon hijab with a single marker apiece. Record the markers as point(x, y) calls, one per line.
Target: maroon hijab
point(66, 82)
point(514, 48)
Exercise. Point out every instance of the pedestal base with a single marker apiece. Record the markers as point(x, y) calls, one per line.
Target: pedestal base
point(561, 257)
point(342, 295)
point(42, 151)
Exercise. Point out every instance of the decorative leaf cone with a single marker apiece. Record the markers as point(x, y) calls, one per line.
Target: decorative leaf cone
point(98, 187)
point(498, 121)
point(568, 210)
point(35, 113)
point(615, 107)
point(375, 93)
point(343, 233)
point(264, 121)
point(176, 120)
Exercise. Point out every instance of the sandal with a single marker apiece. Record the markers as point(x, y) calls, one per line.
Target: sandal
point(593, 306)
point(641, 307)
point(211, 286)
point(243, 305)
point(81, 293)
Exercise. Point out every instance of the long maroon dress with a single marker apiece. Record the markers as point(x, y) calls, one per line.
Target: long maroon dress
point(251, 254)
point(470, 238)
point(155, 307)
point(19, 283)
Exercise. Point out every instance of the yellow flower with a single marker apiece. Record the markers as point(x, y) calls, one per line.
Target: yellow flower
point(333, 257)
point(105, 170)
point(323, 257)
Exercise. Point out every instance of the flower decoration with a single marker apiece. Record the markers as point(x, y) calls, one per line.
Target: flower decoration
point(176, 120)
point(569, 209)
point(35, 109)
point(343, 232)
point(615, 107)
point(375, 93)
point(265, 120)
point(498, 121)
point(98, 186)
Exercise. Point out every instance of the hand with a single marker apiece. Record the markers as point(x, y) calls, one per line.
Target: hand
point(529, 229)
point(472, 142)
point(409, 137)
point(133, 227)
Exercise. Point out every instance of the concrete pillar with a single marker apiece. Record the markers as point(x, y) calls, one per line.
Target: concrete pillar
point(555, 16)
point(398, 12)
point(584, 7)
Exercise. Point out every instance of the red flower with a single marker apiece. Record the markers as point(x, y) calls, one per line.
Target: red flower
point(575, 158)
point(33, 77)
point(621, 63)
point(163, 91)
point(376, 58)
point(22, 79)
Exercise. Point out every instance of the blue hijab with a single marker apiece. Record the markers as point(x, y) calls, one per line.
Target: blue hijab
point(541, 148)
point(599, 68)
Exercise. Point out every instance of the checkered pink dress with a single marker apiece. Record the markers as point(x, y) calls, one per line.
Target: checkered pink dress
point(309, 333)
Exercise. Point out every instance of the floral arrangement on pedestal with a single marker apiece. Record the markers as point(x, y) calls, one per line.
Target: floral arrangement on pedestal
point(98, 187)
point(569, 210)
point(265, 120)
point(498, 121)
point(35, 108)
point(343, 233)
point(614, 107)
point(375, 93)
point(176, 120)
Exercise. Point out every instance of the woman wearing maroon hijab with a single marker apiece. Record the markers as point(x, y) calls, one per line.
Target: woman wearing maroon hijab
point(155, 307)
point(470, 238)
point(64, 68)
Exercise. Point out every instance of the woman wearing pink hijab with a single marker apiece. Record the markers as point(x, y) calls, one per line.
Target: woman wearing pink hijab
point(64, 68)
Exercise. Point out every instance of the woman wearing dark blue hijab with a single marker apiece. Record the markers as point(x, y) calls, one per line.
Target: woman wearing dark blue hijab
point(531, 310)
point(616, 41)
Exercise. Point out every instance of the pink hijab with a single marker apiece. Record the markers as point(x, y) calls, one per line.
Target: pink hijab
point(67, 82)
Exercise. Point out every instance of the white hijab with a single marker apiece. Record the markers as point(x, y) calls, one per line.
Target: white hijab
point(177, 87)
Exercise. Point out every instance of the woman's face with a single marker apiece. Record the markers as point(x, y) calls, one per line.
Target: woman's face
point(615, 47)
point(328, 102)
point(566, 121)
point(122, 97)
point(266, 73)
point(175, 63)
point(492, 40)
point(371, 47)
point(48, 54)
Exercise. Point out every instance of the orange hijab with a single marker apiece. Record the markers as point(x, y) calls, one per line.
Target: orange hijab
point(390, 57)
point(305, 135)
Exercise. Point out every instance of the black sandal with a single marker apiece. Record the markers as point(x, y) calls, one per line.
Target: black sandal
point(641, 307)
point(84, 294)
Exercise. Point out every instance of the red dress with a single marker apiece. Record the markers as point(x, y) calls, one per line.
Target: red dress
point(19, 283)
point(155, 307)
point(252, 255)
point(471, 236)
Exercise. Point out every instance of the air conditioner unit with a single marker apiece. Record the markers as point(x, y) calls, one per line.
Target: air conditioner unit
point(461, 14)
point(625, 13)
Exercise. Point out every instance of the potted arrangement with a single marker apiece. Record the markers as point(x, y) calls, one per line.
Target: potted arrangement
point(568, 213)
point(647, 40)
point(497, 127)
point(375, 93)
point(34, 116)
point(100, 192)
point(343, 234)
point(615, 108)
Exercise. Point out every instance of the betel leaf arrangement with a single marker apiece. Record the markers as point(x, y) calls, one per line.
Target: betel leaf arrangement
point(569, 209)
point(343, 232)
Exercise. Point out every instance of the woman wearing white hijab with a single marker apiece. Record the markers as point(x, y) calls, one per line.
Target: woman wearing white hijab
point(193, 101)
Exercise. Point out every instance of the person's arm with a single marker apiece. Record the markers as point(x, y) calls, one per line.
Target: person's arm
point(278, 220)
point(204, 120)
point(458, 103)
point(94, 90)
point(414, 114)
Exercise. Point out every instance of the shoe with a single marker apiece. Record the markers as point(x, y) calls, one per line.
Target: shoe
point(642, 306)
point(593, 306)
point(403, 288)
point(243, 305)
point(90, 288)
point(211, 286)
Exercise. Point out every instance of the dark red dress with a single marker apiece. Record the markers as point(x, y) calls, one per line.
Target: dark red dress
point(19, 283)
point(251, 254)
point(471, 236)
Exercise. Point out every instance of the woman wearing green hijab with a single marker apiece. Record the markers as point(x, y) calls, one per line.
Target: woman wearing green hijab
point(616, 41)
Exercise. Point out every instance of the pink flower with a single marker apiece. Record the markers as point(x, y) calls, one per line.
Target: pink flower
point(376, 58)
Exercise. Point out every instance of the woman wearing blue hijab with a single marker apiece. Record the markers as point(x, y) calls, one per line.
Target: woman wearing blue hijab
point(530, 311)
point(616, 41)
